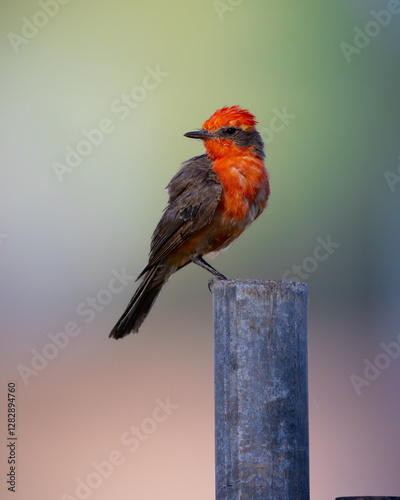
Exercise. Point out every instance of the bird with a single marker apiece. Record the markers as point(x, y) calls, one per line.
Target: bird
point(213, 198)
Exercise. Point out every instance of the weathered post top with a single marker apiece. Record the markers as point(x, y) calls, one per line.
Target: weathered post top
point(261, 393)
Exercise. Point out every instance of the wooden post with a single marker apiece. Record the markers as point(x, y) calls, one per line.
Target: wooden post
point(261, 393)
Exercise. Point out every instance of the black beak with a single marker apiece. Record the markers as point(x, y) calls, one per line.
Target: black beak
point(199, 134)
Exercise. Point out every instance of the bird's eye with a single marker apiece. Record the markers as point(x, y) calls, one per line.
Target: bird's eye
point(230, 130)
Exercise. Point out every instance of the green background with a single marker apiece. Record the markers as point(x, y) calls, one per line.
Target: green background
point(61, 241)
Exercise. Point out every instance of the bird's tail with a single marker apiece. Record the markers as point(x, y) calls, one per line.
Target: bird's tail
point(142, 301)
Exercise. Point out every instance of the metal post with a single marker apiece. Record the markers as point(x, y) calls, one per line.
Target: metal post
point(261, 393)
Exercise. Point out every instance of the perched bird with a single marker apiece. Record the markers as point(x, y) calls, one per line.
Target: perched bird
point(212, 199)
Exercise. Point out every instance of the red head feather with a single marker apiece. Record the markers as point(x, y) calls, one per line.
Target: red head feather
point(233, 116)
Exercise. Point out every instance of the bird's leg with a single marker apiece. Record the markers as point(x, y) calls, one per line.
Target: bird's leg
point(202, 263)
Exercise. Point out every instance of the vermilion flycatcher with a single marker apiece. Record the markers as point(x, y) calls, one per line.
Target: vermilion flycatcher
point(212, 199)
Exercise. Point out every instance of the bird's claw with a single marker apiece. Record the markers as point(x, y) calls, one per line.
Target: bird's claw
point(211, 281)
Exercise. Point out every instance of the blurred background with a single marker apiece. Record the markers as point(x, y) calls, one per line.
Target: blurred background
point(96, 97)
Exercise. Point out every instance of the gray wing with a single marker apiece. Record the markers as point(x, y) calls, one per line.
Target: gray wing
point(194, 193)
